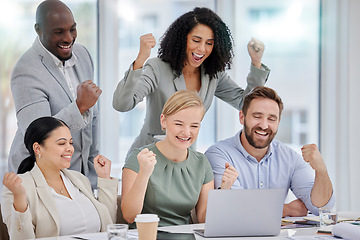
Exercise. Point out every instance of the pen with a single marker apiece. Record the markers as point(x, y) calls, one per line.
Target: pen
point(78, 237)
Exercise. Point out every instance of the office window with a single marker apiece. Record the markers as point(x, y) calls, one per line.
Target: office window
point(290, 31)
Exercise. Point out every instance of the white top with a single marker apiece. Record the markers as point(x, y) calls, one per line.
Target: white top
point(78, 214)
point(67, 69)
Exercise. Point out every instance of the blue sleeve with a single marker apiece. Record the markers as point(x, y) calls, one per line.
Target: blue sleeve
point(302, 182)
point(217, 159)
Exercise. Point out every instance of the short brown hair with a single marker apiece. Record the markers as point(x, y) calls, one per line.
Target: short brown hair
point(181, 100)
point(262, 92)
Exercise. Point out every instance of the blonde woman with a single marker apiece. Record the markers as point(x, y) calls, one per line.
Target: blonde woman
point(167, 177)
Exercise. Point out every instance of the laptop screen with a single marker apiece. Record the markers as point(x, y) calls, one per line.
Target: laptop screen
point(244, 212)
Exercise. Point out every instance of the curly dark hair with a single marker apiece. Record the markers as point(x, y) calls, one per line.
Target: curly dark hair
point(173, 43)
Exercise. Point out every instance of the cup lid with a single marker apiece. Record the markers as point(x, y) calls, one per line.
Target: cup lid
point(147, 218)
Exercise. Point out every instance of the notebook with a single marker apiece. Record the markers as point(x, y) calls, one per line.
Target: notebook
point(243, 212)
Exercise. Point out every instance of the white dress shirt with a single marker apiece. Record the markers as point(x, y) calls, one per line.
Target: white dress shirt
point(78, 214)
point(72, 79)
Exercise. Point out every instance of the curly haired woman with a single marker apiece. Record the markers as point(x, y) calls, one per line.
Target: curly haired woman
point(194, 53)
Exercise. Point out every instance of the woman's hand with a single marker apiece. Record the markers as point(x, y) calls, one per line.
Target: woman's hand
point(147, 42)
point(102, 166)
point(147, 161)
point(229, 176)
point(14, 183)
point(256, 50)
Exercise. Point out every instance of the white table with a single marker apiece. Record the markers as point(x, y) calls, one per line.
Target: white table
point(306, 233)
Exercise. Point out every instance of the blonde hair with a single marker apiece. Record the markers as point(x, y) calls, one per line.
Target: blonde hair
point(181, 100)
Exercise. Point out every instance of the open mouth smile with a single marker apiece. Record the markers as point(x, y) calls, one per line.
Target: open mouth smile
point(65, 46)
point(197, 57)
point(68, 157)
point(184, 139)
point(261, 133)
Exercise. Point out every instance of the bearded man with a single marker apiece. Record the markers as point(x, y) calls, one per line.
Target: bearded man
point(253, 159)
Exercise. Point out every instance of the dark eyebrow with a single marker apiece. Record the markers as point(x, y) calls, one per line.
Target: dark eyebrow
point(210, 39)
point(273, 115)
point(61, 28)
point(63, 139)
point(260, 113)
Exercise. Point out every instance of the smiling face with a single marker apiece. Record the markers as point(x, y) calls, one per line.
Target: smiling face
point(200, 43)
point(58, 32)
point(57, 149)
point(182, 128)
point(260, 123)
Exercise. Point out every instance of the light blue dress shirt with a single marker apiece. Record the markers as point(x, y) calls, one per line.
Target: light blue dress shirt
point(281, 167)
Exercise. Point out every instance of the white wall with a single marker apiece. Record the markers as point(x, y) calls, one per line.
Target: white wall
point(108, 76)
point(340, 101)
point(354, 102)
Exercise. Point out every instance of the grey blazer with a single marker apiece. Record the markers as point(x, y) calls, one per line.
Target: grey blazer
point(41, 218)
point(157, 82)
point(40, 89)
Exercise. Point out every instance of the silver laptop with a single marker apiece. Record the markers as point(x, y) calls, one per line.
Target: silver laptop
point(243, 212)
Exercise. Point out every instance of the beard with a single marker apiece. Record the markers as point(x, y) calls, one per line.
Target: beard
point(63, 59)
point(256, 143)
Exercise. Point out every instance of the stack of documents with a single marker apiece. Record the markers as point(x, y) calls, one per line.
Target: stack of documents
point(298, 222)
point(342, 216)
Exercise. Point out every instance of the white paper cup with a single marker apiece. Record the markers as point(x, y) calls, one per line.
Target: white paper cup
point(147, 225)
point(117, 231)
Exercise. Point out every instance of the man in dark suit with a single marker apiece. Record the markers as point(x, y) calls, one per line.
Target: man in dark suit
point(55, 78)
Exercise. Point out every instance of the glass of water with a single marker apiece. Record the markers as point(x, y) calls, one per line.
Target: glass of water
point(117, 231)
point(328, 216)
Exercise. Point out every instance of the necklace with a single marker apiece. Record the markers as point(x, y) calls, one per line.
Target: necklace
point(56, 189)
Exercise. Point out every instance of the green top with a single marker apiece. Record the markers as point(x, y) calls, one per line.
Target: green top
point(174, 188)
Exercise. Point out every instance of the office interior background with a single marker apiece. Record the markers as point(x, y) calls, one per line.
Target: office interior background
point(311, 46)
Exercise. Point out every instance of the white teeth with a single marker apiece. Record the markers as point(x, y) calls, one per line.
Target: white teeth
point(184, 139)
point(67, 157)
point(261, 133)
point(199, 56)
point(65, 47)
